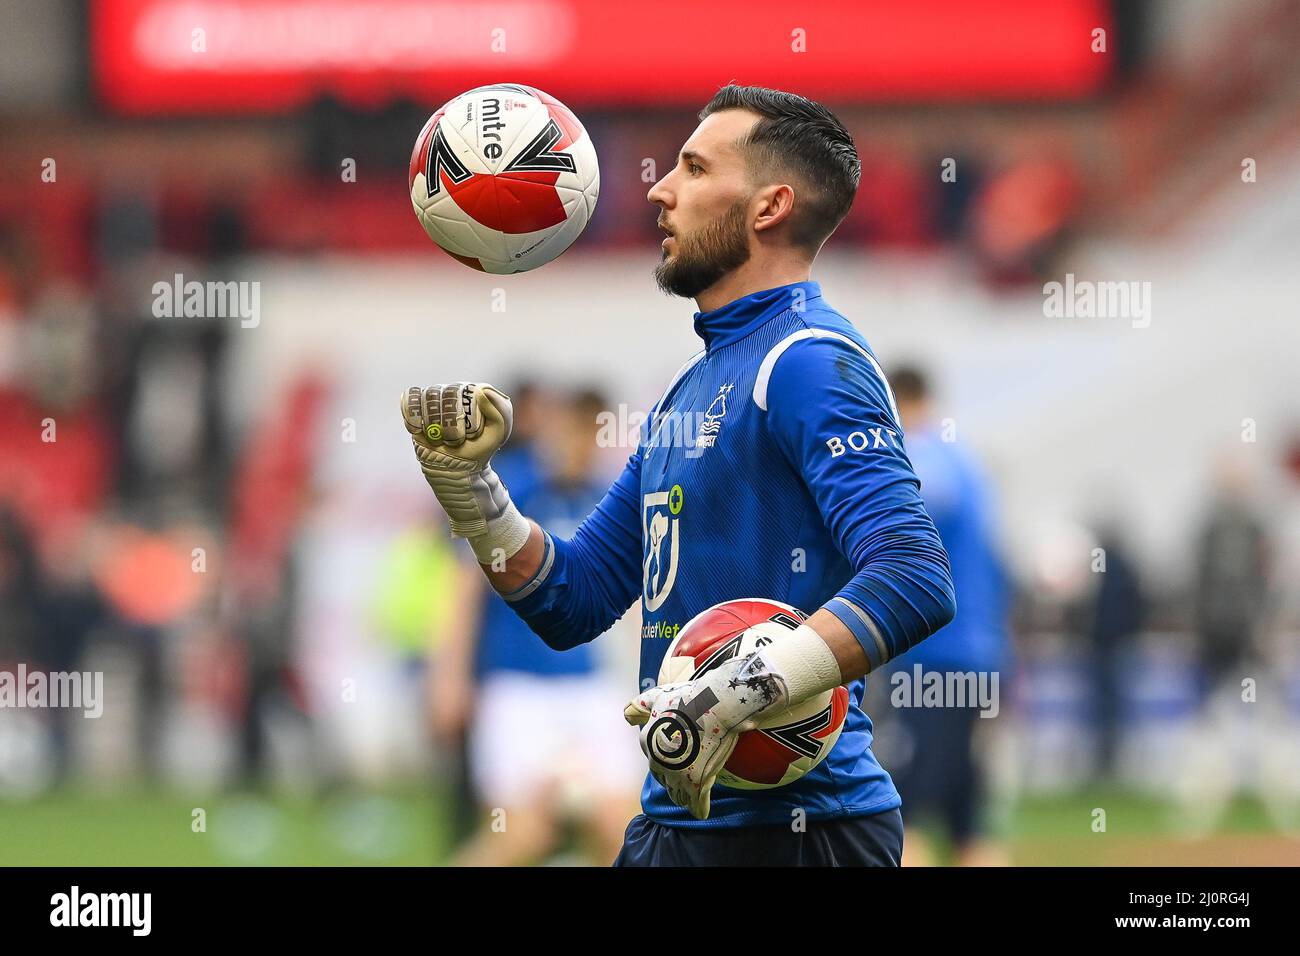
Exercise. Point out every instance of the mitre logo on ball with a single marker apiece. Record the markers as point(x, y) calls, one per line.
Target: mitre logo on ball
point(504, 178)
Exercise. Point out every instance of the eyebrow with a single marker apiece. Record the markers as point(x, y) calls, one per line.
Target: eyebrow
point(691, 156)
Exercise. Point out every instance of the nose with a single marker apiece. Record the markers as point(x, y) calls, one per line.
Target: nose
point(659, 194)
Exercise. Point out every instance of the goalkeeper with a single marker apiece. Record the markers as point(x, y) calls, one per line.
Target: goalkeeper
point(795, 486)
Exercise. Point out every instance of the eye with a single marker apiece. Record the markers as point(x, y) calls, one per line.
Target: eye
point(694, 168)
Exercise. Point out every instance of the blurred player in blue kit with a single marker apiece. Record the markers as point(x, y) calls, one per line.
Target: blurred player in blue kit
point(940, 777)
point(546, 747)
point(800, 491)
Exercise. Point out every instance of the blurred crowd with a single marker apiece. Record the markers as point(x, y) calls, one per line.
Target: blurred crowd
point(1006, 198)
point(133, 515)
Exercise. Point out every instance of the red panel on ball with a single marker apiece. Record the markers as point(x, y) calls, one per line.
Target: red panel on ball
point(756, 611)
point(705, 632)
point(511, 203)
point(760, 758)
point(839, 710)
point(714, 627)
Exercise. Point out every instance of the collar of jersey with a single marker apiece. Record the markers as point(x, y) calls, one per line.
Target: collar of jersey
point(737, 319)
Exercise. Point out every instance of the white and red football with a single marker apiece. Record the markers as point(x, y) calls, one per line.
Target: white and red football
point(504, 178)
point(786, 745)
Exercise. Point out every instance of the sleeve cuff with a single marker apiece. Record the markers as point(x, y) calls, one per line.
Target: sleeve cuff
point(542, 573)
point(863, 628)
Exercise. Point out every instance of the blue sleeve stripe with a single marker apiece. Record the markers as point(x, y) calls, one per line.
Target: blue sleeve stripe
point(543, 571)
point(863, 628)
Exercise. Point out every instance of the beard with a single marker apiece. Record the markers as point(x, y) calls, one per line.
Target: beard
point(706, 255)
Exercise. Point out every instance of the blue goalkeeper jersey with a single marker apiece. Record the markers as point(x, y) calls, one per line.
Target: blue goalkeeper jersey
point(772, 467)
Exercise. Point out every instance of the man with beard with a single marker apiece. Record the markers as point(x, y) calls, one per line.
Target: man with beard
point(795, 487)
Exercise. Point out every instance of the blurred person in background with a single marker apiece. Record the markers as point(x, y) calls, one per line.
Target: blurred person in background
point(269, 497)
point(1287, 562)
point(1232, 563)
point(450, 692)
point(1111, 620)
point(940, 778)
point(1021, 218)
point(56, 458)
point(25, 634)
point(519, 460)
point(497, 676)
point(22, 593)
point(414, 610)
point(1242, 706)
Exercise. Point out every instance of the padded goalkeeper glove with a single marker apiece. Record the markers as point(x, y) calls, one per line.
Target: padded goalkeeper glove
point(689, 729)
point(456, 429)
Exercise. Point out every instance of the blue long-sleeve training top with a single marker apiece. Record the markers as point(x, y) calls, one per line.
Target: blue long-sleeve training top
point(773, 466)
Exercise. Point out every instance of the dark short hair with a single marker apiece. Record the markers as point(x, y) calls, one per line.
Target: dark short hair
point(589, 401)
point(798, 136)
point(909, 383)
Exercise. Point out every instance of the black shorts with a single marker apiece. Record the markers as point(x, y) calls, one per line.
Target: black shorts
point(940, 779)
point(875, 840)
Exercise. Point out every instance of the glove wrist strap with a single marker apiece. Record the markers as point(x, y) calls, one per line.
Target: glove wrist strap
point(504, 536)
point(804, 662)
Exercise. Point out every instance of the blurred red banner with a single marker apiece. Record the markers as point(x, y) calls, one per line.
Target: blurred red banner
point(267, 56)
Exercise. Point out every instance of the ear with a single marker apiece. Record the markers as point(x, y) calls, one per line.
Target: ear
point(775, 204)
